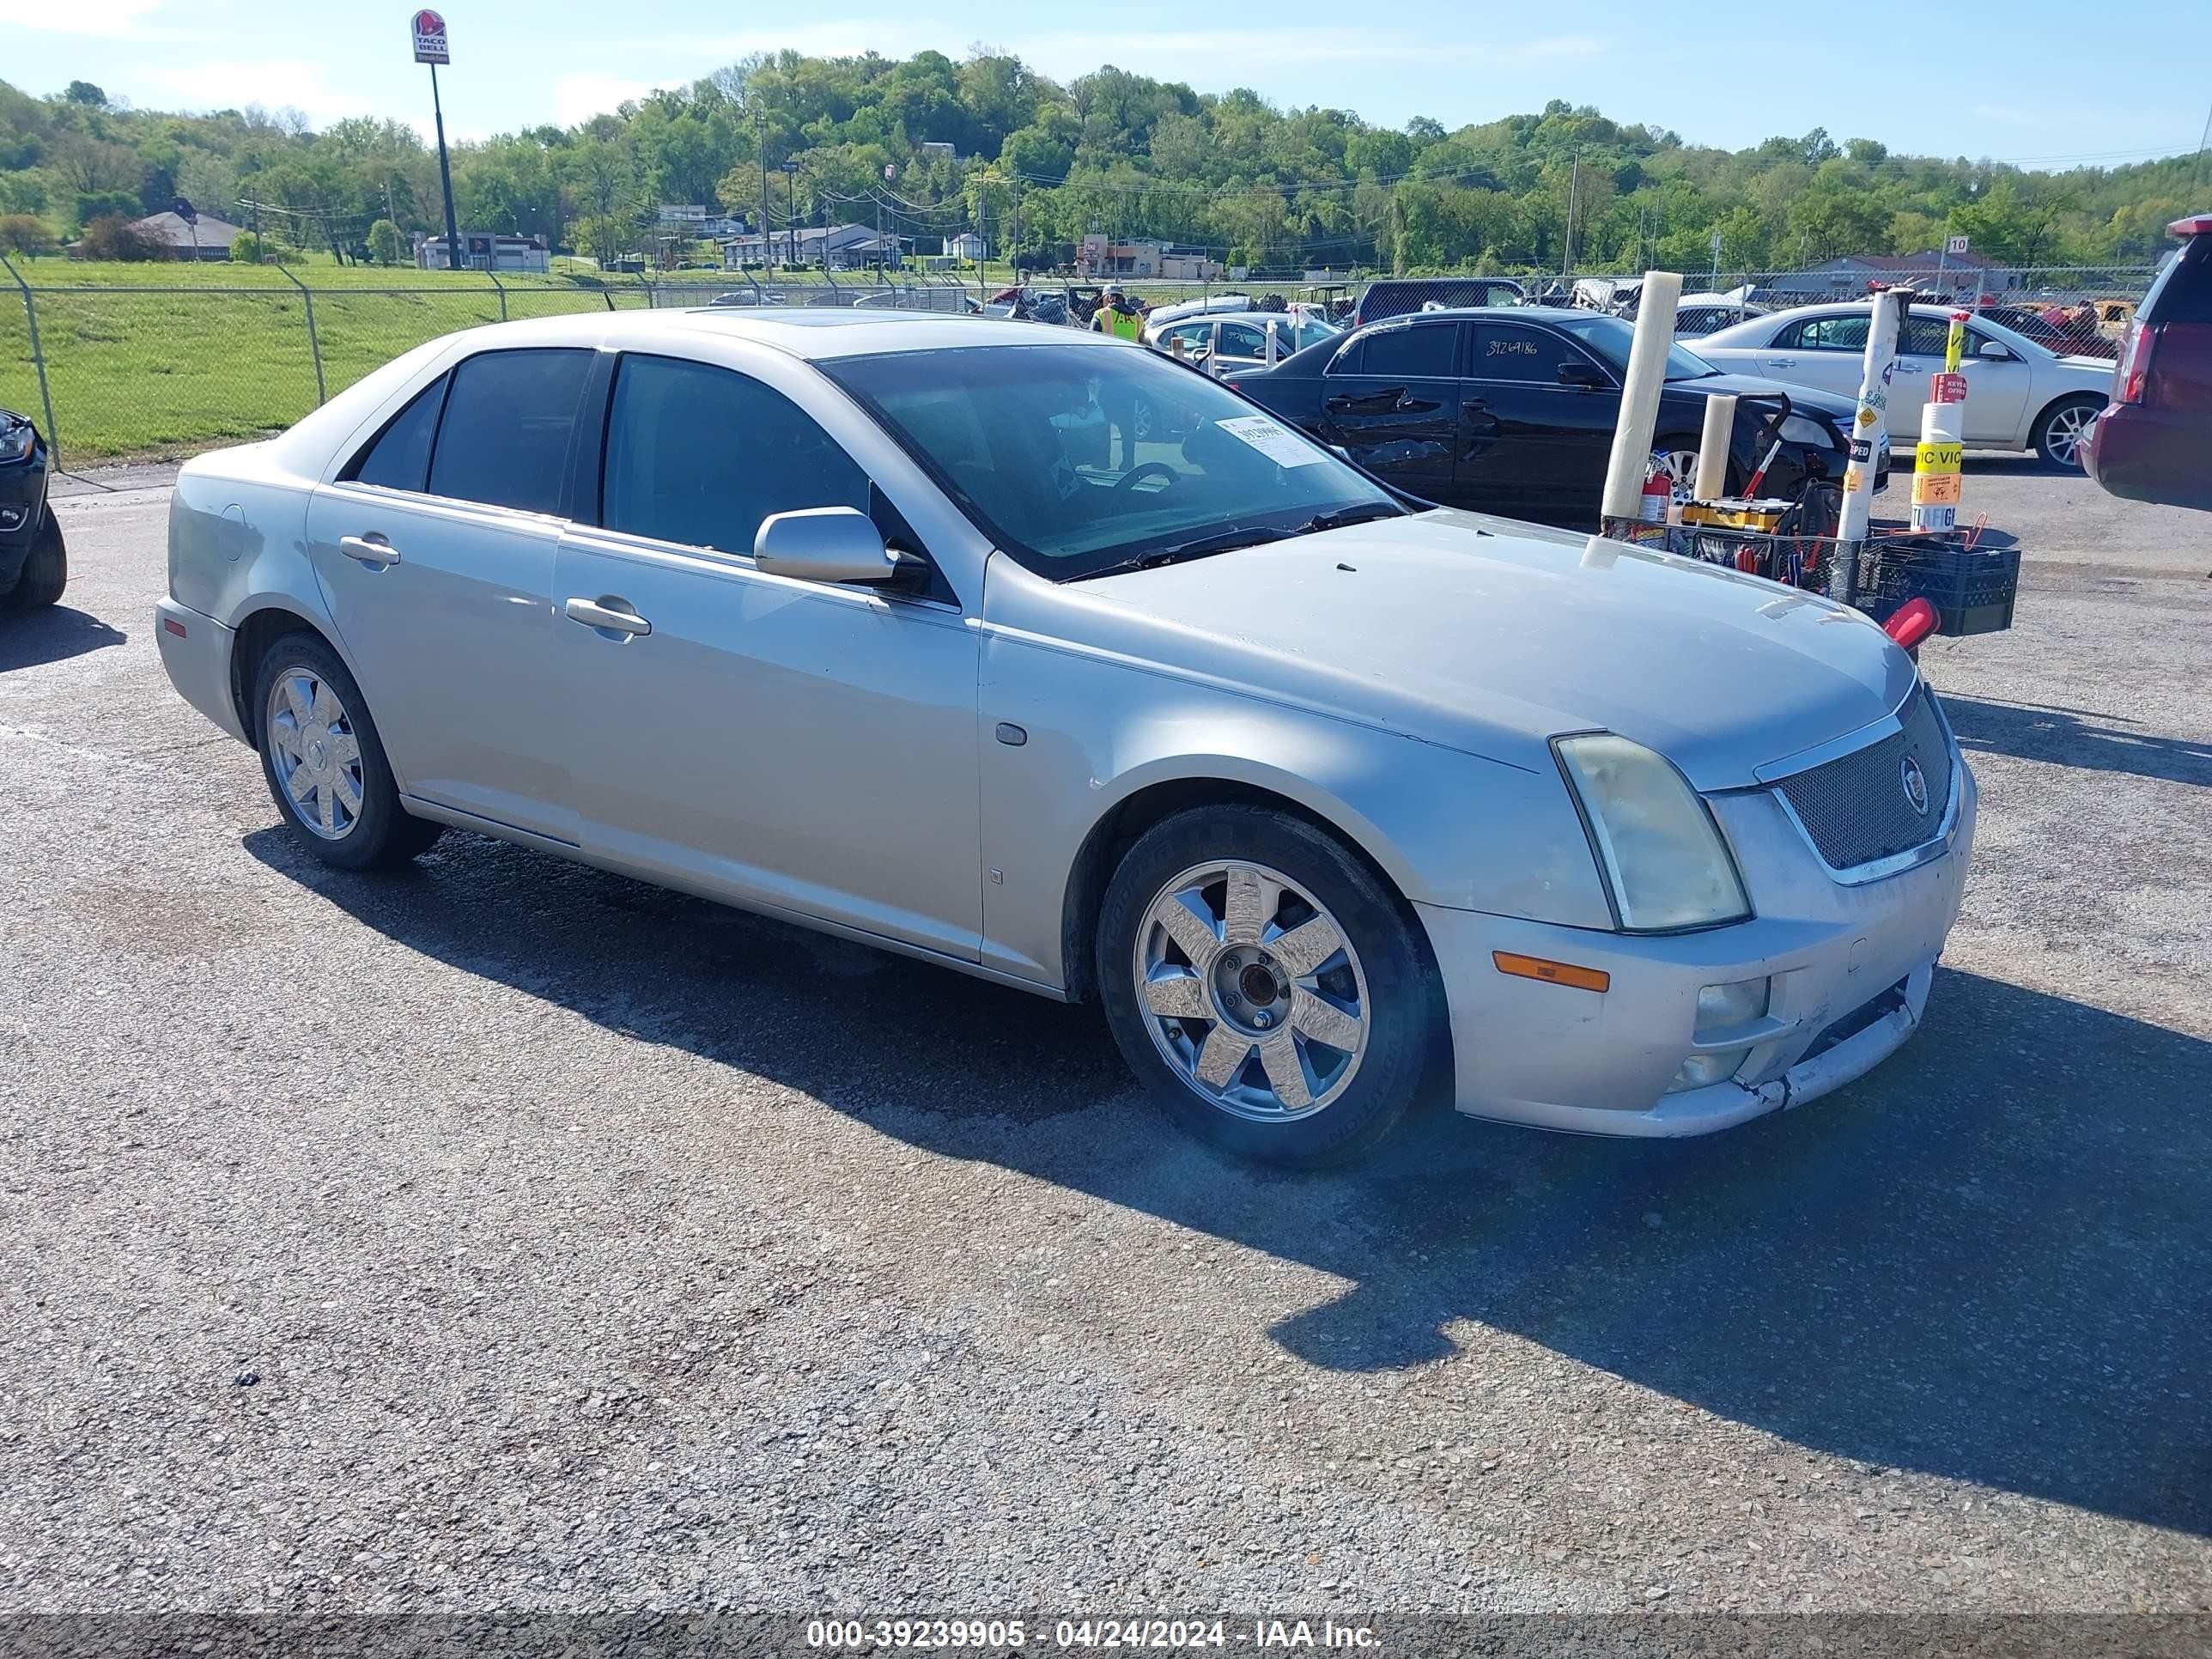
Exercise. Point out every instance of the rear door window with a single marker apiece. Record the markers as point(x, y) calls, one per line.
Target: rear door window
point(508, 419)
point(1844, 333)
point(2183, 291)
point(1415, 351)
point(699, 455)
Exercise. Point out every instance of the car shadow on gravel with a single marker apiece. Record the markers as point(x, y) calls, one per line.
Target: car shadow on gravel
point(2075, 737)
point(1988, 1261)
point(53, 632)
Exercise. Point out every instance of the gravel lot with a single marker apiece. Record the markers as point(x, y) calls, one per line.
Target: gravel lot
point(506, 1234)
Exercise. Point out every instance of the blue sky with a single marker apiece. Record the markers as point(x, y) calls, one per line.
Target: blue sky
point(2043, 82)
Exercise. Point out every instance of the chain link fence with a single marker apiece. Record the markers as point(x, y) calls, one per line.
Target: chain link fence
point(158, 359)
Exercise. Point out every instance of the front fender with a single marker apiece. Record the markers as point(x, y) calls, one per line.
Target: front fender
point(1447, 829)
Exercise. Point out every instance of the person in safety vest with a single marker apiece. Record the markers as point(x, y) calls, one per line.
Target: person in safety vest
point(1118, 315)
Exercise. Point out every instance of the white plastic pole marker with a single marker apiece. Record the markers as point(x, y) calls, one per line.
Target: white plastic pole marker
point(1639, 398)
point(1713, 447)
point(1868, 425)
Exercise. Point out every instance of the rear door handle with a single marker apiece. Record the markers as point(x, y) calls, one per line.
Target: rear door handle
point(372, 549)
point(1782, 363)
point(593, 614)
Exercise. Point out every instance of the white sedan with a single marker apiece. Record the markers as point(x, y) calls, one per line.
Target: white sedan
point(2019, 395)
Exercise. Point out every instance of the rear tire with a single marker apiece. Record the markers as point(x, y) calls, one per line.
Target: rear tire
point(325, 764)
point(2062, 434)
point(46, 572)
point(1264, 984)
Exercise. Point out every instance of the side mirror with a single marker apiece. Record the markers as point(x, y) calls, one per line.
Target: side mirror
point(1581, 375)
point(823, 544)
point(1993, 351)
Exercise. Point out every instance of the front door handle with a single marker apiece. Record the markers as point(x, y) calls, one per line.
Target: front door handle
point(1782, 363)
point(605, 615)
point(369, 549)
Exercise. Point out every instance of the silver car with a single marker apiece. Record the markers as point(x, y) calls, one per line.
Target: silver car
point(885, 624)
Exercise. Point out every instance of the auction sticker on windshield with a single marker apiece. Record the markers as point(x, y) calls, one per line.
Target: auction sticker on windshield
point(1278, 443)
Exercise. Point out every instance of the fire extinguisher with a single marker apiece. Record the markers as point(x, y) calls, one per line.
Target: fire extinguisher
point(1658, 495)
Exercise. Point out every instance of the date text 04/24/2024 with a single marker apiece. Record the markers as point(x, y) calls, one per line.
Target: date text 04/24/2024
point(987, 1635)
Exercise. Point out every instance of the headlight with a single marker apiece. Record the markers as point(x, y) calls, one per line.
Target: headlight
point(1799, 429)
point(1656, 843)
point(16, 438)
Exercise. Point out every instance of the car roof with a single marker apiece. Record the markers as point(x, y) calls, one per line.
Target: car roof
point(1501, 313)
point(812, 333)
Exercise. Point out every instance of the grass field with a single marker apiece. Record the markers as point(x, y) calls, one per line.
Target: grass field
point(155, 359)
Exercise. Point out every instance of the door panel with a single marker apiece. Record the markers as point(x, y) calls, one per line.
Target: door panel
point(1530, 447)
point(450, 642)
point(1397, 413)
point(777, 742)
point(1998, 395)
point(774, 741)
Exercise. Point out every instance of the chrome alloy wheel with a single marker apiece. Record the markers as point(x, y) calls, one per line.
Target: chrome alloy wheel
point(1251, 992)
point(316, 753)
point(2069, 432)
point(1680, 467)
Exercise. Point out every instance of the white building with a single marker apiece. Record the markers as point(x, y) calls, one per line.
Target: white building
point(967, 246)
point(484, 250)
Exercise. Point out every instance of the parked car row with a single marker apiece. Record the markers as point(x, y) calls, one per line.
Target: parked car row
point(1511, 410)
point(2020, 395)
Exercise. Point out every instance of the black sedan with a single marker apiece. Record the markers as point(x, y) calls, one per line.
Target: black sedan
point(1512, 411)
point(34, 565)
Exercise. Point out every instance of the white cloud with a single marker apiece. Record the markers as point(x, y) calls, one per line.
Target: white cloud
point(285, 83)
point(106, 20)
point(578, 97)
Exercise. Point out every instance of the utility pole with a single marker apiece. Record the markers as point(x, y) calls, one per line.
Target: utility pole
point(760, 143)
point(791, 214)
point(1574, 191)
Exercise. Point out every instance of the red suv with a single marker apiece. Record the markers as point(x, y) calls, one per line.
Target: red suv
point(2155, 442)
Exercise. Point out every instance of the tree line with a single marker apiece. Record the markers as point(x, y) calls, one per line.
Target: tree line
point(1035, 164)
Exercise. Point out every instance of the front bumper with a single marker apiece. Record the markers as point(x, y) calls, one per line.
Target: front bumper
point(195, 651)
point(1849, 967)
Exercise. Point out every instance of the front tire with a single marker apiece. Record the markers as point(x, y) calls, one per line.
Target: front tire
point(46, 571)
point(1264, 985)
point(2062, 435)
point(325, 764)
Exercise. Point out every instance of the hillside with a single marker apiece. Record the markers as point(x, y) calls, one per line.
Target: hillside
point(1109, 150)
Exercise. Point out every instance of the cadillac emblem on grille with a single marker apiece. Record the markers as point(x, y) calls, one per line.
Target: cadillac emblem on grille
point(1915, 785)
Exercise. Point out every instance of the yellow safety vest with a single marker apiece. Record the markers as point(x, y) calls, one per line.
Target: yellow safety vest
point(1123, 325)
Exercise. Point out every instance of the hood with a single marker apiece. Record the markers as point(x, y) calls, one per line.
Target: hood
point(1837, 408)
point(2084, 360)
point(1493, 637)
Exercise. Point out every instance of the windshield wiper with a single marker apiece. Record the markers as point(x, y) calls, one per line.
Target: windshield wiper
point(1222, 541)
point(1360, 514)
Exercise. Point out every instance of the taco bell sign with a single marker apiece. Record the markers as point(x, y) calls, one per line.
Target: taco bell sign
point(430, 39)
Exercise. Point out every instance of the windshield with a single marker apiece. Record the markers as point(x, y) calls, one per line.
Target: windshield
point(1610, 338)
point(1074, 457)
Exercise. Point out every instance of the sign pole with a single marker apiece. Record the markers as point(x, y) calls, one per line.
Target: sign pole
point(445, 178)
point(432, 47)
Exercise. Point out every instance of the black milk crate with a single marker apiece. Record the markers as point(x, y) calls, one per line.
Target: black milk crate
point(1972, 589)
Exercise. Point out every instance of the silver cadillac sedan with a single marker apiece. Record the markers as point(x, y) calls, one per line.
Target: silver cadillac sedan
point(894, 627)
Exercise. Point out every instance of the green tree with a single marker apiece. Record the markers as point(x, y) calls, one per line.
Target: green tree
point(25, 233)
point(385, 244)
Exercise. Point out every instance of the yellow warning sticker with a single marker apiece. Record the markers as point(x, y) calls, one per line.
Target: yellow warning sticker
point(1935, 489)
point(1940, 458)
